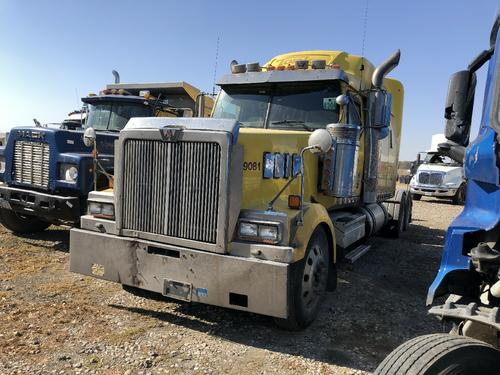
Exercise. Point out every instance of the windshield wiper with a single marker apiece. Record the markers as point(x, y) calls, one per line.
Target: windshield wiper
point(293, 122)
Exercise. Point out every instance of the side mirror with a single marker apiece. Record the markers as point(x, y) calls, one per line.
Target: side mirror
point(459, 105)
point(89, 137)
point(320, 141)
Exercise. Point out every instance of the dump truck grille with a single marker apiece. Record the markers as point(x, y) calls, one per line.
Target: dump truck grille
point(31, 163)
point(172, 189)
point(430, 178)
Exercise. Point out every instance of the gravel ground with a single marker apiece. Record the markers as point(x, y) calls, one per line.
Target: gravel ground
point(53, 321)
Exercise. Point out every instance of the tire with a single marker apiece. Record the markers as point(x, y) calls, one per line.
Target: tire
point(416, 197)
point(408, 210)
point(21, 224)
point(395, 228)
point(441, 354)
point(307, 284)
point(459, 197)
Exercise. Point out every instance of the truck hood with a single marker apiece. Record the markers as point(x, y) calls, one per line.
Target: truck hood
point(65, 141)
point(437, 168)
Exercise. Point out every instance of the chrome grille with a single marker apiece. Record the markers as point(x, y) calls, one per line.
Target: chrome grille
point(172, 189)
point(430, 178)
point(31, 163)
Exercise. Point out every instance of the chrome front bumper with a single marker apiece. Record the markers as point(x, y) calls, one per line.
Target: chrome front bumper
point(249, 284)
point(433, 191)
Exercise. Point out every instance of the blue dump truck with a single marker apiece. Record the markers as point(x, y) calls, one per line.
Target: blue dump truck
point(470, 266)
point(46, 174)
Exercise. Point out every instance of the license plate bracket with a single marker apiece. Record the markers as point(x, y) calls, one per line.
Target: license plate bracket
point(177, 289)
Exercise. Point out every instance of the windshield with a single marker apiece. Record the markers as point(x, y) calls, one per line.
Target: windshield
point(285, 107)
point(114, 116)
point(436, 159)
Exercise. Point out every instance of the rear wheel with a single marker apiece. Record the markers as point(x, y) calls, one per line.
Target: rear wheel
point(21, 223)
point(441, 354)
point(308, 283)
point(396, 227)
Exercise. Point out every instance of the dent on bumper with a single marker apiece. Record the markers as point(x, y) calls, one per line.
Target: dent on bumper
point(240, 283)
point(47, 206)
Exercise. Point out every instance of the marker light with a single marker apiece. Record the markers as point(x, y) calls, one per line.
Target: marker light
point(145, 94)
point(335, 66)
point(294, 202)
point(270, 67)
point(281, 67)
point(121, 92)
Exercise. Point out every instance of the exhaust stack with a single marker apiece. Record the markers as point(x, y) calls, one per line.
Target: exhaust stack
point(379, 121)
point(116, 75)
point(385, 68)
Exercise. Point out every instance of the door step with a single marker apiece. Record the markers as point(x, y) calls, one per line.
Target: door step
point(357, 253)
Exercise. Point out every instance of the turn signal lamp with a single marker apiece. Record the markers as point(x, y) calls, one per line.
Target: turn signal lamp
point(335, 66)
point(294, 202)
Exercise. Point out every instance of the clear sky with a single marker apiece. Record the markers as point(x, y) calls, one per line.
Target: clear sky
point(51, 52)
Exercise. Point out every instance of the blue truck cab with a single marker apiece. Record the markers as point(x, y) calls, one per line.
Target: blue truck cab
point(469, 274)
point(46, 173)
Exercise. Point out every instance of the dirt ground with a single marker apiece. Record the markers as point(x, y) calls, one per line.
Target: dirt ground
point(53, 321)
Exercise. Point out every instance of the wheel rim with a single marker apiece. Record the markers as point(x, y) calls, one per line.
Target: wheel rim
point(314, 277)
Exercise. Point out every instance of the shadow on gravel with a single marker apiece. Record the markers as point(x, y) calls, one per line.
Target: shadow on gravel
point(379, 303)
point(55, 238)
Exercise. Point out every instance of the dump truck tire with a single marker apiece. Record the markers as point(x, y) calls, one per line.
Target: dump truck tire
point(442, 354)
point(21, 224)
point(307, 284)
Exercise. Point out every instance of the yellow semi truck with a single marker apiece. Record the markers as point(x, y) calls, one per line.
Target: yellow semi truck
point(248, 209)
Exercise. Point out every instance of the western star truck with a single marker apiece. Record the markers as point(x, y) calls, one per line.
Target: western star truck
point(438, 175)
point(470, 265)
point(46, 173)
point(249, 209)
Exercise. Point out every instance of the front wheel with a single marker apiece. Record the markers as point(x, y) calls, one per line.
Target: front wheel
point(441, 354)
point(459, 197)
point(308, 283)
point(21, 224)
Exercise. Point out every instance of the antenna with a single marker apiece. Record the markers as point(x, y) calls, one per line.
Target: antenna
point(77, 97)
point(363, 43)
point(215, 65)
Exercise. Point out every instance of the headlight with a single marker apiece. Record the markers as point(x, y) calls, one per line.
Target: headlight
point(68, 172)
point(259, 231)
point(2, 164)
point(104, 210)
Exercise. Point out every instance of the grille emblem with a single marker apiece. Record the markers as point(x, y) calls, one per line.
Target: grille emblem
point(31, 134)
point(170, 134)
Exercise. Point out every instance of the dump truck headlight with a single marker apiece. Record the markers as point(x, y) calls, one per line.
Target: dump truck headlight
point(68, 172)
point(267, 232)
point(2, 164)
point(100, 209)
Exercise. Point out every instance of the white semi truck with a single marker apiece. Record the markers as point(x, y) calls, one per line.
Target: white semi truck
point(438, 175)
